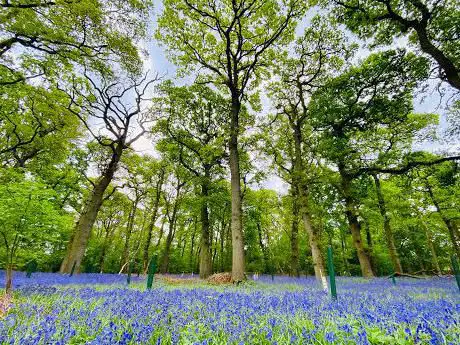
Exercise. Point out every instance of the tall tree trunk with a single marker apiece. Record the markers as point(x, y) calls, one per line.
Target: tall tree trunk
point(167, 248)
point(237, 221)
point(104, 249)
point(228, 245)
point(192, 246)
point(344, 252)
point(184, 244)
point(368, 237)
point(386, 227)
point(102, 258)
point(129, 230)
point(171, 232)
point(449, 224)
point(9, 274)
point(263, 248)
point(434, 256)
point(79, 241)
point(205, 252)
point(295, 236)
point(301, 191)
point(214, 253)
point(318, 263)
point(222, 237)
point(160, 235)
point(355, 226)
point(419, 253)
point(370, 249)
point(156, 204)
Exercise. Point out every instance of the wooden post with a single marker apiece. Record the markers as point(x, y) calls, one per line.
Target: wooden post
point(152, 269)
point(330, 264)
point(456, 270)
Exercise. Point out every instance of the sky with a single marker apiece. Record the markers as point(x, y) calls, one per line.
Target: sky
point(157, 62)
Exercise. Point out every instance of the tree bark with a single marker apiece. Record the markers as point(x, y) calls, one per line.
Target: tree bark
point(387, 227)
point(9, 277)
point(301, 191)
point(318, 263)
point(153, 219)
point(79, 241)
point(355, 226)
point(295, 237)
point(451, 73)
point(235, 181)
point(205, 253)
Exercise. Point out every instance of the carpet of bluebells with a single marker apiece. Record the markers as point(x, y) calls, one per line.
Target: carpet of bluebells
point(102, 309)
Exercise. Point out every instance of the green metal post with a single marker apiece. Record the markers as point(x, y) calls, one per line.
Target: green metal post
point(393, 279)
point(456, 270)
point(31, 268)
point(152, 269)
point(330, 266)
point(128, 278)
point(73, 269)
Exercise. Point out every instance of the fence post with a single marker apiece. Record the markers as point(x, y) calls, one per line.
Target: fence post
point(128, 278)
point(330, 266)
point(31, 268)
point(152, 269)
point(456, 270)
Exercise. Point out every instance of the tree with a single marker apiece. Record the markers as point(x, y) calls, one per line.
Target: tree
point(107, 103)
point(433, 25)
point(48, 37)
point(111, 216)
point(440, 185)
point(319, 53)
point(386, 225)
point(360, 115)
point(34, 122)
point(158, 171)
point(173, 202)
point(194, 133)
point(29, 218)
point(261, 211)
point(234, 41)
point(138, 178)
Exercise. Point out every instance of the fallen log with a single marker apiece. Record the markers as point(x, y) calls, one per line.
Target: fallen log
point(399, 274)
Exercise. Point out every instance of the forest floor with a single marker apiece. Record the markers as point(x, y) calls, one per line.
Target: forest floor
point(102, 309)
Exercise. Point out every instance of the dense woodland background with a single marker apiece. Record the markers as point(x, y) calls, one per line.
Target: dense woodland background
point(286, 88)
